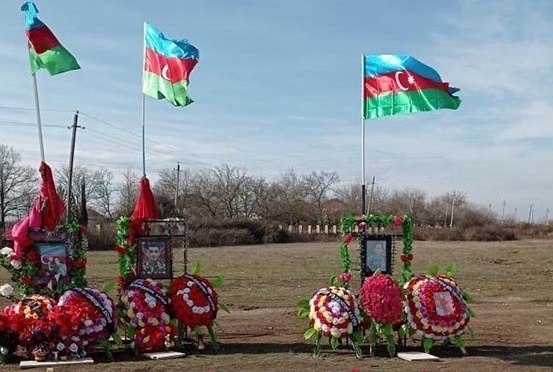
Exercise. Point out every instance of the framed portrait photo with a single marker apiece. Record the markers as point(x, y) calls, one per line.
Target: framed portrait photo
point(53, 260)
point(376, 254)
point(154, 258)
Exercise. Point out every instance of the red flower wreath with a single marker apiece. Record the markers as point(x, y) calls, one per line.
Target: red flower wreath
point(29, 318)
point(435, 307)
point(83, 317)
point(194, 301)
point(381, 298)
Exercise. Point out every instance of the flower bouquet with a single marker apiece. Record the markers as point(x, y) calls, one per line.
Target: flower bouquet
point(436, 309)
point(333, 313)
point(195, 303)
point(29, 318)
point(146, 310)
point(381, 299)
point(84, 317)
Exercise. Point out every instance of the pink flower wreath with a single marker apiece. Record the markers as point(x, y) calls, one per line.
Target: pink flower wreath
point(381, 299)
point(147, 310)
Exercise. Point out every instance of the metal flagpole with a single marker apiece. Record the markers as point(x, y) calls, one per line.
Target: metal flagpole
point(363, 190)
point(38, 120)
point(143, 105)
point(143, 134)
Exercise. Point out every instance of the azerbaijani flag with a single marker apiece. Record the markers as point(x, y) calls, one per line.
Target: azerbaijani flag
point(399, 84)
point(167, 66)
point(45, 51)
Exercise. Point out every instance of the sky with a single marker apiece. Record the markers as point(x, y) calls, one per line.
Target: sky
point(278, 86)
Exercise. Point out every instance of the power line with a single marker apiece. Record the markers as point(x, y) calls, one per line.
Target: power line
point(32, 109)
point(27, 124)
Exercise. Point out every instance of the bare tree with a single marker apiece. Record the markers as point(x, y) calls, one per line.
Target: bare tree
point(231, 183)
point(167, 187)
point(204, 194)
point(410, 201)
point(290, 198)
point(350, 194)
point(264, 194)
point(97, 187)
point(17, 184)
point(128, 193)
point(317, 185)
point(106, 193)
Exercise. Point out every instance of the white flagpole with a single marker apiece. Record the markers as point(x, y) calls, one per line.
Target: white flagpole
point(143, 106)
point(363, 190)
point(38, 120)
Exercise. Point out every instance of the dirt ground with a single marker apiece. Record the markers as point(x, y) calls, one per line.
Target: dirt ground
point(510, 283)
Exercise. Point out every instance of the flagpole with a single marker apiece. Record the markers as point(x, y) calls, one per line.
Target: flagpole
point(38, 120)
point(143, 134)
point(143, 105)
point(363, 190)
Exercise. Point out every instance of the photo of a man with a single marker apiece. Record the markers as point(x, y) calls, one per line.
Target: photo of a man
point(154, 259)
point(376, 255)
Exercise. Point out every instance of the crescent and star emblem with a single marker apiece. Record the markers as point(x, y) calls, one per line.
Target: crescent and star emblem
point(165, 70)
point(399, 82)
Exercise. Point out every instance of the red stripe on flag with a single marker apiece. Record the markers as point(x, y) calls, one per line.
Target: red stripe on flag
point(399, 81)
point(172, 69)
point(41, 39)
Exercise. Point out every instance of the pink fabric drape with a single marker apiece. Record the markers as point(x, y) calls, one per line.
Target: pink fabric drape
point(45, 213)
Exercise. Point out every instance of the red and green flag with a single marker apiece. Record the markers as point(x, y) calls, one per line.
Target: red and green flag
point(399, 84)
point(167, 67)
point(45, 51)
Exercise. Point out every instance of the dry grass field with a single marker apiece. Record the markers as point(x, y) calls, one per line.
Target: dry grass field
point(510, 283)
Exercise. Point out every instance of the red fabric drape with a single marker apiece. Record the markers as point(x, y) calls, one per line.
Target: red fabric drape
point(146, 207)
point(45, 213)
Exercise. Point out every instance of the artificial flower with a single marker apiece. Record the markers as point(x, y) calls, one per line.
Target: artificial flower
point(7, 251)
point(435, 307)
point(398, 221)
point(381, 299)
point(6, 290)
point(345, 277)
point(146, 309)
point(84, 316)
point(29, 319)
point(334, 312)
point(193, 300)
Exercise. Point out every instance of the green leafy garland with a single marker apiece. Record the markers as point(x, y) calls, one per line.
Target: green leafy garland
point(378, 221)
point(125, 245)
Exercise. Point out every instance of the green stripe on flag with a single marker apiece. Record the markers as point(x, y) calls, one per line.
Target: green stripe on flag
point(157, 87)
point(408, 102)
point(56, 60)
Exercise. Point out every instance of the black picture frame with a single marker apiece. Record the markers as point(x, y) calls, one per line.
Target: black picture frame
point(376, 254)
point(154, 258)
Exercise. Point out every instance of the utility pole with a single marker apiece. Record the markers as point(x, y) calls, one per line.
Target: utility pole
point(371, 197)
point(71, 157)
point(177, 186)
point(452, 208)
